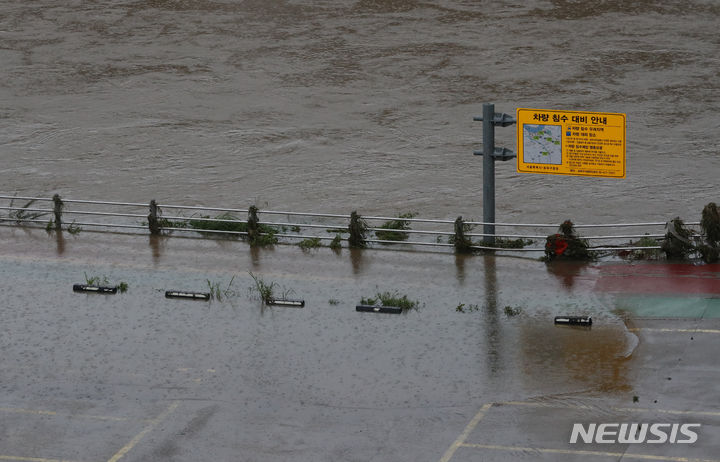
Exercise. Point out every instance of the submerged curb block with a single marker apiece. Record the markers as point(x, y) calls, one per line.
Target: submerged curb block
point(187, 295)
point(94, 289)
point(378, 309)
point(282, 302)
point(574, 320)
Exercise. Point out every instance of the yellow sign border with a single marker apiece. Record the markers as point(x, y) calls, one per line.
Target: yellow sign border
point(596, 145)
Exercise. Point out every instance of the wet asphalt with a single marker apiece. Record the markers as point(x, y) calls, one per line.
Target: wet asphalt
point(139, 377)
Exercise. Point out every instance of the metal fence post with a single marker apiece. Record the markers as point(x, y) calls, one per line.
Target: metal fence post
point(153, 222)
point(57, 211)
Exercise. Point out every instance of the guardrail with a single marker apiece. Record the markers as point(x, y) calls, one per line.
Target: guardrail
point(295, 227)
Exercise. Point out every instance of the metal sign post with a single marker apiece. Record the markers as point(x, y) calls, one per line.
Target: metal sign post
point(490, 154)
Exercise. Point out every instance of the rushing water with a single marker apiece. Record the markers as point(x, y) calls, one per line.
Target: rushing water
point(318, 105)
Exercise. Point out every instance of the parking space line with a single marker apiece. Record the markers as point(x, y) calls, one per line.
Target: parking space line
point(460, 441)
point(690, 331)
point(32, 459)
point(619, 409)
point(151, 426)
point(463, 436)
point(619, 455)
point(16, 410)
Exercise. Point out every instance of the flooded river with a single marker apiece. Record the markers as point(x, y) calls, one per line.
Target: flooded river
point(316, 105)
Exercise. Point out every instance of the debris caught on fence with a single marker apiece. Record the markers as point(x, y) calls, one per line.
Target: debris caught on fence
point(566, 245)
point(395, 227)
point(462, 243)
point(710, 224)
point(677, 244)
point(358, 231)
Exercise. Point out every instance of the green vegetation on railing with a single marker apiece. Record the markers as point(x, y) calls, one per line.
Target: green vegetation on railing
point(336, 243)
point(643, 254)
point(310, 243)
point(395, 228)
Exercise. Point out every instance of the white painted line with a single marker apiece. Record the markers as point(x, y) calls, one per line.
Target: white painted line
point(32, 459)
point(690, 331)
point(15, 410)
point(463, 436)
point(151, 425)
point(619, 409)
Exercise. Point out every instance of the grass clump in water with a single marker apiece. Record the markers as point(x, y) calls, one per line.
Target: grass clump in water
point(264, 290)
point(511, 311)
point(217, 292)
point(310, 243)
point(461, 308)
point(393, 226)
point(104, 281)
point(390, 299)
point(96, 280)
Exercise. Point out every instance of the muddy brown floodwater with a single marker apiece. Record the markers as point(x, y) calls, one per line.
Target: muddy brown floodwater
point(342, 105)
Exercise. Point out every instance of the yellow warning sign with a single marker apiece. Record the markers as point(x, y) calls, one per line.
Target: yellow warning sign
point(571, 143)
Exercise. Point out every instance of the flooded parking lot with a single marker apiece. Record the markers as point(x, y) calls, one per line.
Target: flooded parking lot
point(309, 105)
point(136, 376)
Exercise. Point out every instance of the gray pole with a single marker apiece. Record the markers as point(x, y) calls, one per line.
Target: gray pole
point(488, 173)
